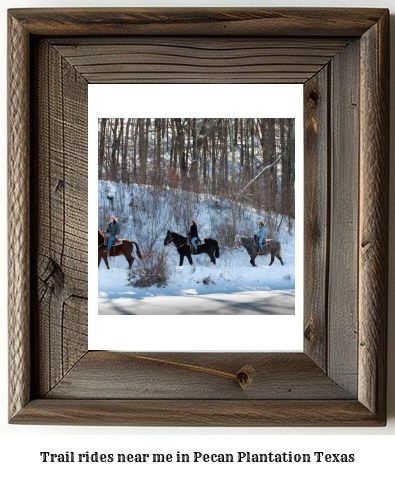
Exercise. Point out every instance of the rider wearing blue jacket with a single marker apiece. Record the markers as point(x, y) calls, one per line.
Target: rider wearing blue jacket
point(261, 234)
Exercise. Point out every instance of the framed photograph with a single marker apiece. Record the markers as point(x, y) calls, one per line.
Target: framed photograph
point(160, 177)
point(339, 58)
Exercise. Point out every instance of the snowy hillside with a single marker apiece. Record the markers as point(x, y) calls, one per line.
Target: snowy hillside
point(145, 213)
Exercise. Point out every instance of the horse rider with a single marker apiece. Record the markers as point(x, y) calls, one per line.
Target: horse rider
point(113, 230)
point(193, 234)
point(261, 234)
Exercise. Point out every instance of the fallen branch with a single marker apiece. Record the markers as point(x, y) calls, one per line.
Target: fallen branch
point(241, 193)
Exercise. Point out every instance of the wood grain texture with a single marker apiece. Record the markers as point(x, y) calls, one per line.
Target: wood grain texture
point(201, 376)
point(164, 59)
point(373, 232)
point(317, 387)
point(316, 214)
point(344, 216)
point(202, 413)
point(18, 216)
point(60, 237)
point(199, 21)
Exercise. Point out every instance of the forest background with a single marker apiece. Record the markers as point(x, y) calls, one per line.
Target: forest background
point(240, 163)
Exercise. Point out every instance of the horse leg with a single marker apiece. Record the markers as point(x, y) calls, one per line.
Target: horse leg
point(181, 259)
point(130, 261)
point(99, 261)
point(252, 261)
point(280, 259)
point(106, 261)
point(190, 259)
point(271, 262)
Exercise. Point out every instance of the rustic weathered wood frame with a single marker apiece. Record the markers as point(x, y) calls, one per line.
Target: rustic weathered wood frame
point(341, 56)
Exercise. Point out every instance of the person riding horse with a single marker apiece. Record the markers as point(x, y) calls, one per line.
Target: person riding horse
point(113, 230)
point(193, 235)
point(261, 234)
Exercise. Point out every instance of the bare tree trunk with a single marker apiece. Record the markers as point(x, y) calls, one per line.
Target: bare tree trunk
point(125, 152)
point(142, 151)
point(193, 169)
point(220, 156)
point(187, 151)
point(225, 154)
point(180, 141)
point(251, 172)
point(232, 151)
point(136, 129)
point(158, 129)
point(115, 149)
point(241, 142)
point(205, 144)
point(173, 148)
point(102, 138)
point(109, 135)
point(284, 168)
point(120, 148)
point(290, 153)
point(273, 170)
point(213, 164)
point(247, 153)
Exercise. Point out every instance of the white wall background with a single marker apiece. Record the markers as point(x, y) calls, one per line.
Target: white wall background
point(20, 449)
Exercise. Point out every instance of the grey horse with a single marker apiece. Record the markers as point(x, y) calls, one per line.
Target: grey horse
point(273, 248)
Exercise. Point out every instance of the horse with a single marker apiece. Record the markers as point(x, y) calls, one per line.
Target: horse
point(126, 248)
point(210, 247)
point(273, 247)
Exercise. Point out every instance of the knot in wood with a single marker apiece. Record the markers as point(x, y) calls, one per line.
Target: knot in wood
point(244, 376)
point(308, 332)
point(313, 96)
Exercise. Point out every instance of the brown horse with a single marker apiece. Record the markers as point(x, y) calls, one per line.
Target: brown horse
point(126, 249)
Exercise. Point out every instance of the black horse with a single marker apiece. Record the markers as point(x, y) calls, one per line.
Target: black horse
point(210, 247)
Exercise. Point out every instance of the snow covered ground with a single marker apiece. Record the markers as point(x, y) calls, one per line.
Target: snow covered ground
point(251, 303)
point(233, 286)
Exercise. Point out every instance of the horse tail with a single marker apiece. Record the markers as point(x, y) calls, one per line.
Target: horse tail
point(137, 249)
point(216, 249)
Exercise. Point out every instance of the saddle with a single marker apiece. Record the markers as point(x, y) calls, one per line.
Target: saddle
point(189, 242)
point(265, 242)
point(116, 242)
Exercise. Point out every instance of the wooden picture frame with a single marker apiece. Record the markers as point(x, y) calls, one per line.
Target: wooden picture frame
point(342, 58)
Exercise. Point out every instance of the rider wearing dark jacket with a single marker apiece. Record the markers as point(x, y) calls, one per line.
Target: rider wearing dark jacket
point(193, 234)
point(113, 230)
